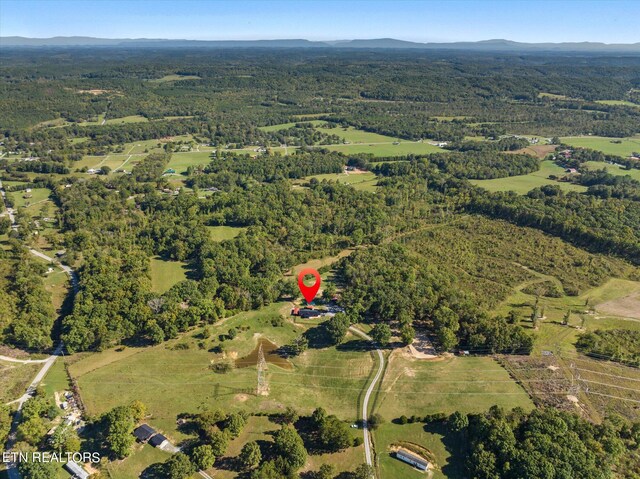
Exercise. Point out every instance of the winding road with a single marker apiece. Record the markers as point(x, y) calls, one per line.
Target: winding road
point(368, 446)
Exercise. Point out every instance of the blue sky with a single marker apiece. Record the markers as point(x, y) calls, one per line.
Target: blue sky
point(610, 21)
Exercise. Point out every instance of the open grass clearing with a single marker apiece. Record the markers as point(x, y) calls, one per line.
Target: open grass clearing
point(608, 300)
point(174, 77)
point(24, 199)
point(221, 233)
point(180, 162)
point(285, 126)
point(57, 283)
point(618, 103)
point(362, 181)
point(524, 183)
point(414, 386)
point(142, 457)
point(164, 274)
point(387, 149)
point(14, 379)
point(612, 146)
point(432, 437)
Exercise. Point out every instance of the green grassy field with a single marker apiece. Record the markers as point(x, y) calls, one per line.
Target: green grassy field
point(618, 103)
point(431, 437)
point(524, 183)
point(165, 274)
point(360, 181)
point(160, 375)
point(605, 144)
point(414, 386)
point(552, 335)
point(387, 149)
point(38, 195)
point(174, 77)
point(613, 169)
point(285, 126)
point(181, 161)
point(221, 233)
point(143, 456)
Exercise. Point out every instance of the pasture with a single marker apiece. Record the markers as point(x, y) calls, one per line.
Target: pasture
point(611, 146)
point(614, 169)
point(524, 183)
point(164, 274)
point(333, 377)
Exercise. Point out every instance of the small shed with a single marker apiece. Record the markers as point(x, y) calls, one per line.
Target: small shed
point(158, 440)
point(76, 470)
point(413, 459)
point(144, 432)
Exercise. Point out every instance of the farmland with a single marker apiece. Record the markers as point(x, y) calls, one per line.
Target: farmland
point(525, 183)
point(612, 146)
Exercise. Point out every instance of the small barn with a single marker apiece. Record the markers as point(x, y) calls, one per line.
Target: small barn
point(413, 459)
point(144, 432)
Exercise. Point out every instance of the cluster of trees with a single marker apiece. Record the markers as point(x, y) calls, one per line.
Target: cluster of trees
point(392, 284)
point(45, 167)
point(269, 168)
point(620, 345)
point(151, 167)
point(27, 318)
point(471, 164)
point(579, 156)
point(605, 185)
point(605, 226)
point(545, 443)
point(115, 428)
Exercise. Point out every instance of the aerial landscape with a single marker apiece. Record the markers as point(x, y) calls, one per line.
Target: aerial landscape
point(265, 240)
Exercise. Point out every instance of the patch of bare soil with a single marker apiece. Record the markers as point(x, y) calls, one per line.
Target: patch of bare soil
point(422, 348)
point(628, 306)
point(241, 397)
point(13, 352)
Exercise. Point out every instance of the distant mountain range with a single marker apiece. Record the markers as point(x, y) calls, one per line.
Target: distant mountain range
point(378, 43)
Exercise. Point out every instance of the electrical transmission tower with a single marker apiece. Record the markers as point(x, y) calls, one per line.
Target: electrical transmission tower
point(263, 384)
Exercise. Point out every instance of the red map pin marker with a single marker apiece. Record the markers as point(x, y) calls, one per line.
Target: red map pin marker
point(309, 292)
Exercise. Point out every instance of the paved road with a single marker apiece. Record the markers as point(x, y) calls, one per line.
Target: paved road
point(368, 447)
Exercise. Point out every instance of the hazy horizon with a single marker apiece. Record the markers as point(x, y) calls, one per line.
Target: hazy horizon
point(537, 21)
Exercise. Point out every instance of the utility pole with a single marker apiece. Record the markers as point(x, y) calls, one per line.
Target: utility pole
point(263, 384)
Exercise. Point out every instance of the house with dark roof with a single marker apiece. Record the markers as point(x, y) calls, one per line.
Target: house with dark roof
point(158, 440)
point(144, 432)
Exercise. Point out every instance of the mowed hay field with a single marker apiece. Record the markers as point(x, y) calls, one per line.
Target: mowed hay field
point(612, 146)
point(417, 386)
point(524, 183)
